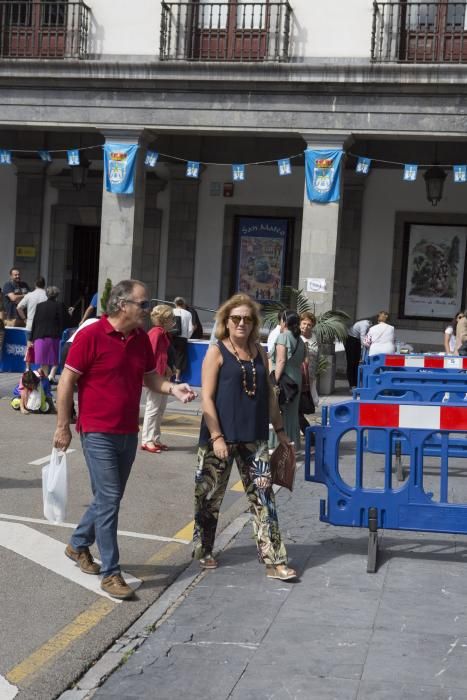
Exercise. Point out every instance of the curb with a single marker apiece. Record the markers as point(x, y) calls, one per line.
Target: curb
point(149, 621)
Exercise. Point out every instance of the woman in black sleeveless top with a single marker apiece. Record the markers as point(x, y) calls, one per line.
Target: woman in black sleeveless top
point(238, 401)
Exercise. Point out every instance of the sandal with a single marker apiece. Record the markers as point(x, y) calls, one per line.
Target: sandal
point(280, 571)
point(151, 448)
point(162, 448)
point(208, 562)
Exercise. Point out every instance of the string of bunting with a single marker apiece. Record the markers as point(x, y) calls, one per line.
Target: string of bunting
point(322, 167)
point(284, 165)
point(151, 159)
point(410, 172)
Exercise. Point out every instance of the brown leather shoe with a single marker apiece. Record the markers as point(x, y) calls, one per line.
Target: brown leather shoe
point(84, 559)
point(116, 586)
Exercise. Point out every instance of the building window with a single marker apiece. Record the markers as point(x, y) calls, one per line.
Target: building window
point(42, 28)
point(433, 31)
point(236, 30)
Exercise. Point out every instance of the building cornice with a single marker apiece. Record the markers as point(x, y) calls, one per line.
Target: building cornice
point(348, 75)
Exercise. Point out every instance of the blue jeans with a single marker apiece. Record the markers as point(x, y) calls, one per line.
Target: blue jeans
point(109, 458)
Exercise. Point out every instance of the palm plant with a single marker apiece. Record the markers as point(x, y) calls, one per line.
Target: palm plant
point(105, 295)
point(331, 326)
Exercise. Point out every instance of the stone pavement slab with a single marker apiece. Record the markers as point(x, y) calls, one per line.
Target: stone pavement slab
point(336, 634)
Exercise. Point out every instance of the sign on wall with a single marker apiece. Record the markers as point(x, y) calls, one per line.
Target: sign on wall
point(261, 257)
point(433, 271)
point(25, 252)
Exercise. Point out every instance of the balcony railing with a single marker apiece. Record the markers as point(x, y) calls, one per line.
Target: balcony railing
point(43, 29)
point(419, 32)
point(225, 31)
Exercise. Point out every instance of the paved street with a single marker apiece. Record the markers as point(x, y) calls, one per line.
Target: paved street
point(55, 620)
point(336, 634)
point(231, 634)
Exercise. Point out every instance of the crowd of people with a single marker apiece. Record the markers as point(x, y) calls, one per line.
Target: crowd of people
point(253, 399)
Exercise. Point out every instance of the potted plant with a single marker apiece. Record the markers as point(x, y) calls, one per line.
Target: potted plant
point(105, 295)
point(331, 327)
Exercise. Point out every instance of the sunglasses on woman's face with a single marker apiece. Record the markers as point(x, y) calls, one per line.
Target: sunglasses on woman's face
point(236, 319)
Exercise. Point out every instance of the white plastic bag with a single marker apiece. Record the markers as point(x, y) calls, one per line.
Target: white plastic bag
point(55, 487)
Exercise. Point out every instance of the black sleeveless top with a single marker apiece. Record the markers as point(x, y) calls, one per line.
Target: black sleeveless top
point(242, 418)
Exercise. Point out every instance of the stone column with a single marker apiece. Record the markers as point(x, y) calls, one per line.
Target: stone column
point(319, 246)
point(320, 234)
point(348, 251)
point(122, 224)
point(183, 215)
point(29, 212)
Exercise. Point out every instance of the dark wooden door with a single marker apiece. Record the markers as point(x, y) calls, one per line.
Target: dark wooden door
point(32, 28)
point(233, 31)
point(433, 32)
point(85, 270)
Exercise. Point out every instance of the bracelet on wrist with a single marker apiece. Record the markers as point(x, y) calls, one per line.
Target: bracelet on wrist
point(216, 437)
point(171, 389)
point(280, 430)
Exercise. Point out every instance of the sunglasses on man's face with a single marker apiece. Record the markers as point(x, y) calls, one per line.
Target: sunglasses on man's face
point(236, 319)
point(144, 305)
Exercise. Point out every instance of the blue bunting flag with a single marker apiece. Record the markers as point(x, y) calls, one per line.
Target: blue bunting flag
point(192, 168)
point(284, 166)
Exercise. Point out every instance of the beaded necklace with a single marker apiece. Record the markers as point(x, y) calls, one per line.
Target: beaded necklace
point(249, 392)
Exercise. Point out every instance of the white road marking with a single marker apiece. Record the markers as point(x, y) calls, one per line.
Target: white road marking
point(43, 460)
point(7, 691)
point(47, 552)
point(71, 526)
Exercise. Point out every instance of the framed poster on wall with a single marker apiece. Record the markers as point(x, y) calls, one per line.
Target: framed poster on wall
point(261, 257)
point(433, 271)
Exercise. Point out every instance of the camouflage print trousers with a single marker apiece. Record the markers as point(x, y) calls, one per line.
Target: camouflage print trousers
point(212, 476)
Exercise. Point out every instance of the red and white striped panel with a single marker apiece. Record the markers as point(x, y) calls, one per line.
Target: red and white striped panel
point(389, 415)
point(427, 361)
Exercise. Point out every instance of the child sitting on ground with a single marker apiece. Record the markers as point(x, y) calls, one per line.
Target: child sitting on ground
point(33, 394)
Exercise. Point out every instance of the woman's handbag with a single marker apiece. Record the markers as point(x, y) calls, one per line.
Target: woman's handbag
point(307, 405)
point(287, 388)
point(283, 466)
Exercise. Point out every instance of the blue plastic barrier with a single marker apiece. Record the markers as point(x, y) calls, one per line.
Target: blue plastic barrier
point(380, 364)
point(14, 350)
point(419, 386)
point(394, 506)
point(196, 351)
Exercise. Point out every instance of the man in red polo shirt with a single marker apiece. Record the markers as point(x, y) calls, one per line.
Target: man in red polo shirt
point(109, 360)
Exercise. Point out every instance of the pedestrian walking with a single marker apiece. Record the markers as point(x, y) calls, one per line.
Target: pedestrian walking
point(380, 338)
point(156, 403)
point(91, 310)
point(26, 309)
point(309, 398)
point(238, 401)
point(50, 320)
point(286, 358)
point(109, 360)
point(13, 292)
point(184, 325)
point(461, 334)
point(451, 342)
point(354, 343)
point(27, 306)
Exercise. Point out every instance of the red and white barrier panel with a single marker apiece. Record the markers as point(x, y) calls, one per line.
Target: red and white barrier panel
point(427, 361)
point(389, 415)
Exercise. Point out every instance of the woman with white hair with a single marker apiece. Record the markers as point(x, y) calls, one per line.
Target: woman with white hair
point(380, 337)
point(50, 320)
point(163, 320)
